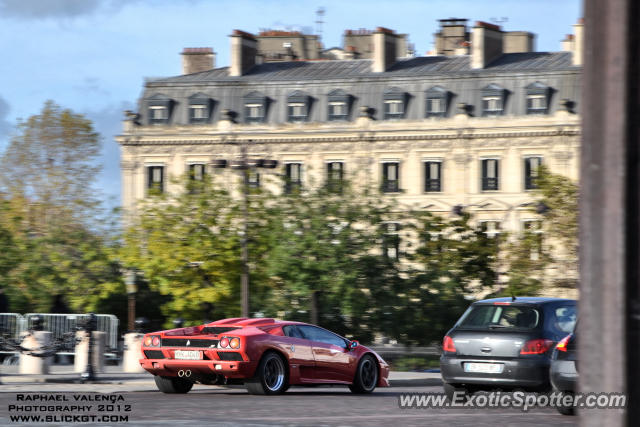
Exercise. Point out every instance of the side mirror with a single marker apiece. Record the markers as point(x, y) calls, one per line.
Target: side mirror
point(353, 344)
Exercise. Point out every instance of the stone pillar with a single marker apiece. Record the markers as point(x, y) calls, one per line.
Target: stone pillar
point(82, 350)
point(31, 364)
point(132, 353)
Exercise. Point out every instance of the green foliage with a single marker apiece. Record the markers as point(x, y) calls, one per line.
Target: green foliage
point(451, 261)
point(47, 246)
point(329, 244)
point(547, 255)
point(186, 247)
point(316, 255)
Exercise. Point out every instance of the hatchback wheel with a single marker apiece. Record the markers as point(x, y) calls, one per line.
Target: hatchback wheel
point(455, 390)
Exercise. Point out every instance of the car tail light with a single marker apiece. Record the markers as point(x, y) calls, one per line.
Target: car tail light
point(502, 303)
point(234, 343)
point(537, 346)
point(224, 342)
point(562, 345)
point(147, 341)
point(447, 345)
point(155, 341)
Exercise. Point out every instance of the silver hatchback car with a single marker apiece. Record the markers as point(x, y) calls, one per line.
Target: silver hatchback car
point(505, 343)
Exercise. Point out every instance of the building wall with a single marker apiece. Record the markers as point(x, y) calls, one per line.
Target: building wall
point(460, 142)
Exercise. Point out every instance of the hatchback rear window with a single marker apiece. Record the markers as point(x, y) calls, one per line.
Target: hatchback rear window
point(500, 317)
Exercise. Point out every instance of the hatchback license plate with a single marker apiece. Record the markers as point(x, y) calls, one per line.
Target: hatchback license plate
point(485, 368)
point(187, 355)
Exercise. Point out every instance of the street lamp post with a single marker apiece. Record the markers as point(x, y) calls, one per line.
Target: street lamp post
point(130, 283)
point(244, 165)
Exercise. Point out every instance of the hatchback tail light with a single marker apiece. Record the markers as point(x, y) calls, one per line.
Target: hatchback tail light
point(562, 345)
point(537, 346)
point(448, 345)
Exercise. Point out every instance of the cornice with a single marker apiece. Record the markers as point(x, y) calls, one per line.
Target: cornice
point(142, 140)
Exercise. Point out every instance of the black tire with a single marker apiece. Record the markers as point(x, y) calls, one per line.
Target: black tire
point(173, 384)
point(366, 377)
point(451, 389)
point(272, 376)
point(565, 410)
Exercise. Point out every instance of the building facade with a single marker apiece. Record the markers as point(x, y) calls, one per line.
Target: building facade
point(440, 133)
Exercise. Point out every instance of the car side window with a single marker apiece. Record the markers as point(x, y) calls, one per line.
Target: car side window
point(292, 331)
point(314, 333)
point(564, 318)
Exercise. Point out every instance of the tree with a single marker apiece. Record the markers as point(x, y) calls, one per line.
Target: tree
point(51, 164)
point(452, 261)
point(326, 262)
point(546, 255)
point(186, 248)
point(49, 215)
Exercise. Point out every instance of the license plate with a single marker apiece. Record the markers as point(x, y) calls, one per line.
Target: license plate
point(485, 368)
point(187, 355)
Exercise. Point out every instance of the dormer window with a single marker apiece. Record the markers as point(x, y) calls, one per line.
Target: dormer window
point(199, 108)
point(493, 100)
point(159, 109)
point(255, 107)
point(338, 105)
point(298, 107)
point(437, 100)
point(538, 97)
point(394, 103)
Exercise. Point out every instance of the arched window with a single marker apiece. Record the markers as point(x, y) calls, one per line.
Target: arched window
point(493, 100)
point(255, 107)
point(338, 105)
point(199, 108)
point(298, 107)
point(159, 109)
point(437, 102)
point(538, 97)
point(395, 101)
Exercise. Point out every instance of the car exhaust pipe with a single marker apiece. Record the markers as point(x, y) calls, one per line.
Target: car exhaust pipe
point(187, 373)
point(180, 373)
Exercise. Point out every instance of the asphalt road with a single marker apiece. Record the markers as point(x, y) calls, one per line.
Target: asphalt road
point(326, 406)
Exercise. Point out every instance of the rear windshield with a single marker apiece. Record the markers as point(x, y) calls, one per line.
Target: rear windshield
point(500, 317)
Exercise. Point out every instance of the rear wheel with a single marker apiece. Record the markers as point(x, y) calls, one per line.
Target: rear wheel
point(271, 376)
point(366, 377)
point(455, 391)
point(173, 384)
point(565, 410)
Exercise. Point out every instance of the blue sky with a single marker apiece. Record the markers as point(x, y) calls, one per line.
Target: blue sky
point(92, 55)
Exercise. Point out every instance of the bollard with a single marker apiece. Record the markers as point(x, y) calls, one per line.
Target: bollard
point(132, 353)
point(35, 365)
point(82, 350)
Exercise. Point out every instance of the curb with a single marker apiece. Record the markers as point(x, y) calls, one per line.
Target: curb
point(416, 382)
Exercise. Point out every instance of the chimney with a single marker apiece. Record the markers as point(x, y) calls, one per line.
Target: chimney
point(244, 48)
point(197, 59)
point(486, 44)
point(518, 42)
point(568, 43)
point(384, 49)
point(578, 42)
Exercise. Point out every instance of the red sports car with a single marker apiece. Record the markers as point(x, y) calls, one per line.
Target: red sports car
point(267, 355)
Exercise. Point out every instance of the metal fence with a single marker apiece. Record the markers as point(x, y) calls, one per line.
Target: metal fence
point(59, 324)
point(12, 325)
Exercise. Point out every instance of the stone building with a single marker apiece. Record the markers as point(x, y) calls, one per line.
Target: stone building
point(444, 132)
